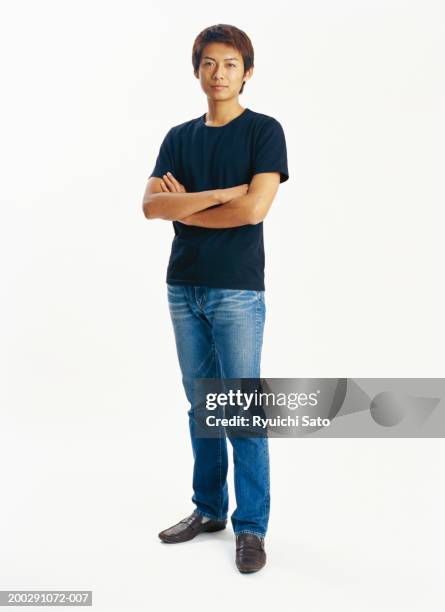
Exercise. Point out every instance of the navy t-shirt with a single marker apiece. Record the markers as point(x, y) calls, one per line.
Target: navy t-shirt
point(204, 158)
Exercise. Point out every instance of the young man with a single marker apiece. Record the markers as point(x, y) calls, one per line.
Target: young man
point(216, 177)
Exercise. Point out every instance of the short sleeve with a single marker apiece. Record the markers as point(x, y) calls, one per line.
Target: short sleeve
point(270, 153)
point(165, 160)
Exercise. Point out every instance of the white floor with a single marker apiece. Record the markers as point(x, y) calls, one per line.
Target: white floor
point(355, 524)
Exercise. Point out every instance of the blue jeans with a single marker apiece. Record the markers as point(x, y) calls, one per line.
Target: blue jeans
point(219, 334)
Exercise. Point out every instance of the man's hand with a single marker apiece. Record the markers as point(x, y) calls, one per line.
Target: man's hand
point(170, 184)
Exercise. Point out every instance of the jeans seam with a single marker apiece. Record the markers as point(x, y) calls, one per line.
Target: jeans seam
point(266, 505)
point(220, 494)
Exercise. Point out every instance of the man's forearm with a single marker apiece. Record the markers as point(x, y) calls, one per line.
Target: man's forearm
point(175, 206)
point(234, 213)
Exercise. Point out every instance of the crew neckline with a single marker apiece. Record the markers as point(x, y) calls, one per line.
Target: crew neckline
point(219, 127)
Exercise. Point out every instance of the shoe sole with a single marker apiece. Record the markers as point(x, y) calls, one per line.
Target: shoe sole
point(210, 529)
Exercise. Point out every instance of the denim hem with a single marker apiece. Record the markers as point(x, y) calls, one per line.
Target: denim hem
point(257, 533)
point(211, 516)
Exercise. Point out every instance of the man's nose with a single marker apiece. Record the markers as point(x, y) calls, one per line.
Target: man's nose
point(219, 73)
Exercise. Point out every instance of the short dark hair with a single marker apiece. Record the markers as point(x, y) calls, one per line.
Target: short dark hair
point(228, 34)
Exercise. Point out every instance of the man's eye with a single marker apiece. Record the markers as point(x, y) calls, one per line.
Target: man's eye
point(207, 63)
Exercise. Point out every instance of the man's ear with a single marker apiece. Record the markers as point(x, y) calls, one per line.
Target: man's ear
point(248, 74)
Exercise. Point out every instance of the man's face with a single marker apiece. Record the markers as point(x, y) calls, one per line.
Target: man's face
point(221, 71)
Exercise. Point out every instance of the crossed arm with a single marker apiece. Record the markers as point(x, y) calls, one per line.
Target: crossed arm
point(165, 198)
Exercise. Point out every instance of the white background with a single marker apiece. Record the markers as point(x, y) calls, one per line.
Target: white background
point(95, 456)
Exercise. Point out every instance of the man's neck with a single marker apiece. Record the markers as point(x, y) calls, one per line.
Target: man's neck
point(220, 113)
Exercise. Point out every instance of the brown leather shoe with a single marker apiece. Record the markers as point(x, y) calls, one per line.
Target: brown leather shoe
point(189, 527)
point(250, 553)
